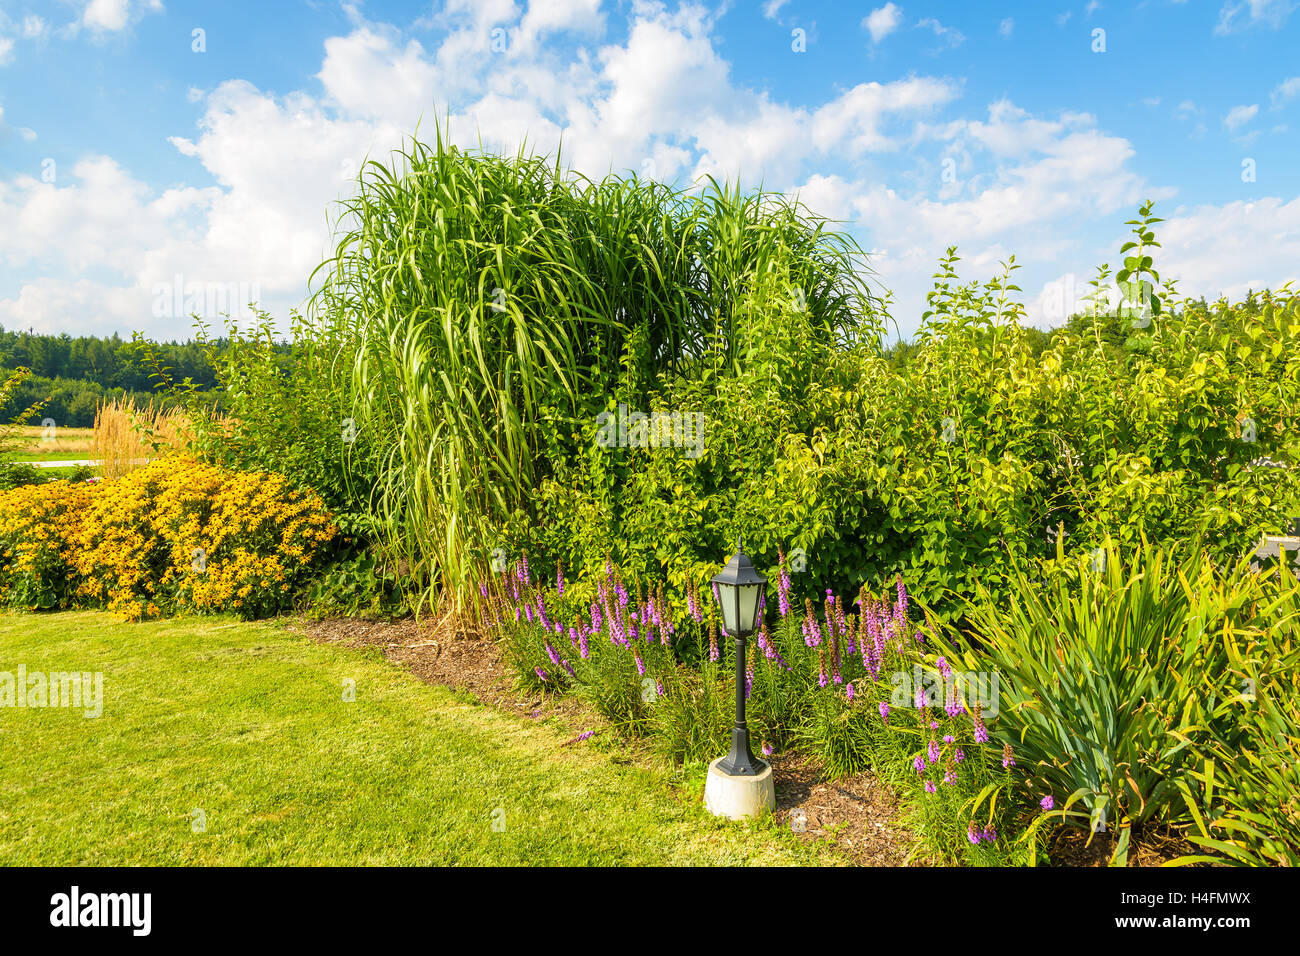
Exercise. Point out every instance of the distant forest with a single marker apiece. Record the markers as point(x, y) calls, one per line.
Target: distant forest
point(75, 374)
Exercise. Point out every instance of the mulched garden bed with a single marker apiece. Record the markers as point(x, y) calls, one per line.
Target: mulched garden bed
point(1154, 848)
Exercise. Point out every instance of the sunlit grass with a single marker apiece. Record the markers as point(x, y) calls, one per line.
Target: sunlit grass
point(248, 724)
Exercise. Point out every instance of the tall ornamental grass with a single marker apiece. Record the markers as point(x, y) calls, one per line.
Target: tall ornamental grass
point(488, 295)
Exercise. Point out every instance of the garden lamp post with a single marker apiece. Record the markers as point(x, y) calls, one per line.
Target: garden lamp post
point(739, 785)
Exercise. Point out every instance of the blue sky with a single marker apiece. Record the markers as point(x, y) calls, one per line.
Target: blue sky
point(146, 169)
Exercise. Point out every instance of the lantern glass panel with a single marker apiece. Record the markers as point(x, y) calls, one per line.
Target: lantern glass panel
point(739, 606)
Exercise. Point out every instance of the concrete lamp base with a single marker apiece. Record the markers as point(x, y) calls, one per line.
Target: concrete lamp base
point(739, 798)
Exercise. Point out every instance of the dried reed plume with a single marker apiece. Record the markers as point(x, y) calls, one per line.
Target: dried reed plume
point(127, 437)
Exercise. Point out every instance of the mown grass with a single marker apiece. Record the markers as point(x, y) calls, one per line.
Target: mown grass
point(248, 723)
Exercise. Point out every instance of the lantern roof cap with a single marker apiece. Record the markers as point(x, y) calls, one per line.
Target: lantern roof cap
point(739, 571)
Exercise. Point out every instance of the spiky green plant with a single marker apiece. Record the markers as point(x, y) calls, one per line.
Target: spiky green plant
point(1109, 672)
point(1249, 768)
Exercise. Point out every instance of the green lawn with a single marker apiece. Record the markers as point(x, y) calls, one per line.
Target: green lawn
point(247, 723)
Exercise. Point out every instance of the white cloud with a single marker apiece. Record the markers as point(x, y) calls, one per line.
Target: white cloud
point(882, 21)
point(112, 16)
point(1285, 91)
point(6, 50)
point(773, 7)
point(1006, 27)
point(1241, 14)
point(1229, 249)
point(34, 27)
point(1239, 116)
point(951, 37)
point(109, 15)
point(546, 17)
point(1045, 172)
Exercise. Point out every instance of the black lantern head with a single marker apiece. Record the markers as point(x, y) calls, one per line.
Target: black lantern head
point(739, 588)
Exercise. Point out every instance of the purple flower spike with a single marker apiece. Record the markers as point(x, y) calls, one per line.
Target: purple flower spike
point(1047, 803)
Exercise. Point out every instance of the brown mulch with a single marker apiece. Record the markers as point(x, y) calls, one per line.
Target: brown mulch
point(856, 815)
point(1070, 847)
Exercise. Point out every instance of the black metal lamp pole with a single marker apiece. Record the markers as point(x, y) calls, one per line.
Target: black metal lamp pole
point(739, 590)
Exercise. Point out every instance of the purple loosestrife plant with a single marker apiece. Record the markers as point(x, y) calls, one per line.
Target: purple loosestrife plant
point(813, 632)
point(783, 587)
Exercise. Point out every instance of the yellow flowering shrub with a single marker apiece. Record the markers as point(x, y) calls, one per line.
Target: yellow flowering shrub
point(38, 529)
point(176, 535)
